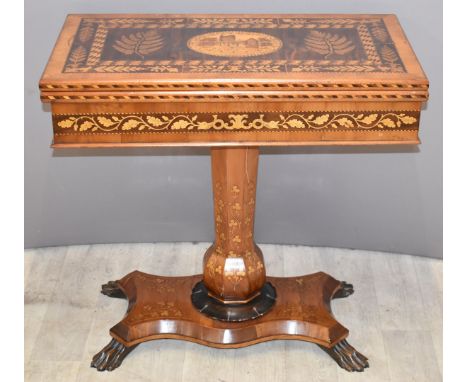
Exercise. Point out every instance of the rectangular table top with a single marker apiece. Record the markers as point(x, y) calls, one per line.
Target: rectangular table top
point(233, 80)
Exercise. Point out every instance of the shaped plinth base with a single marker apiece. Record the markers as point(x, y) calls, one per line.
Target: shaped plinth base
point(161, 307)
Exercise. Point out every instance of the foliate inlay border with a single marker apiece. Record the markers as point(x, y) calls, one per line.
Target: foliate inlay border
point(87, 47)
point(238, 122)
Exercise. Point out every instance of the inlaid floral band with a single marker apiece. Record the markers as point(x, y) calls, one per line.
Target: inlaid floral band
point(198, 122)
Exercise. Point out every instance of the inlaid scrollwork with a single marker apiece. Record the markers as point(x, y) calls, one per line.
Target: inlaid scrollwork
point(235, 122)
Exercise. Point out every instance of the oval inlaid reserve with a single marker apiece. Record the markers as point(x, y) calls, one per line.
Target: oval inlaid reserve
point(234, 44)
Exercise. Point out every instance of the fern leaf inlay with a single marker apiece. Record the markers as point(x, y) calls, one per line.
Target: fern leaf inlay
point(389, 55)
point(85, 33)
point(77, 56)
point(380, 34)
point(140, 43)
point(328, 44)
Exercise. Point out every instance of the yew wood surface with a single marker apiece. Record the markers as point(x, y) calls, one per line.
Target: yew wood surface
point(159, 308)
point(53, 75)
point(287, 136)
point(234, 268)
point(328, 74)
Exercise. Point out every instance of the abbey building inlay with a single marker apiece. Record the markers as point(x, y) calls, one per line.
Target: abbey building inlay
point(200, 122)
point(205, 45)
point(234, 44)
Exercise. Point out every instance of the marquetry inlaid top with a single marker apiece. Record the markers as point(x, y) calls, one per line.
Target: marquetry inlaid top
point(117, 51)
point(217, 80)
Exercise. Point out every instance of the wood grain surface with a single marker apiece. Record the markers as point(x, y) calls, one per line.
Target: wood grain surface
point(158, 308)
point(364, 39)
point(217, 80)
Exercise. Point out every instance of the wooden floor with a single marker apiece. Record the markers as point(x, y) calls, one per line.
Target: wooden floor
point(394, 317)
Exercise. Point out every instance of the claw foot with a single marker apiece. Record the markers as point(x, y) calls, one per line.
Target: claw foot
point(345, 290)
point(347, 357)
point(111, 356)
point(112, 289)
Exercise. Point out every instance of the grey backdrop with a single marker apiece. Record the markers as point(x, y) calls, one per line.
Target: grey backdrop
point(387, 199)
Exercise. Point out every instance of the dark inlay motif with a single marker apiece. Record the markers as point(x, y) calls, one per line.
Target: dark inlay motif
point(197, 45)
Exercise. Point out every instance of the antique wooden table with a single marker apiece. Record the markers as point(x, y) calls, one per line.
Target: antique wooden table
point(232, 83)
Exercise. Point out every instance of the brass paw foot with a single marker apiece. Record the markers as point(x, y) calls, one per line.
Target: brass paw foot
point(111, 289)
point(111, 356)
point(347, 357)
point(345, 290)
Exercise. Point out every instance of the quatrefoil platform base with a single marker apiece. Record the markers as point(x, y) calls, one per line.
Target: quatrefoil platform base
point(161, 308)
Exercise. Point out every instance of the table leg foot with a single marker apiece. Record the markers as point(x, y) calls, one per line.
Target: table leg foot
point(347, 357)
point(111, 289)
point(111, 356)
point(345, 290)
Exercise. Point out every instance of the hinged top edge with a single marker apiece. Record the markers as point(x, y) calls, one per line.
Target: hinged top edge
point(68, 75)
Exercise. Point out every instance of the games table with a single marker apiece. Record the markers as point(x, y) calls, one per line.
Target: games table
point(232, 83)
